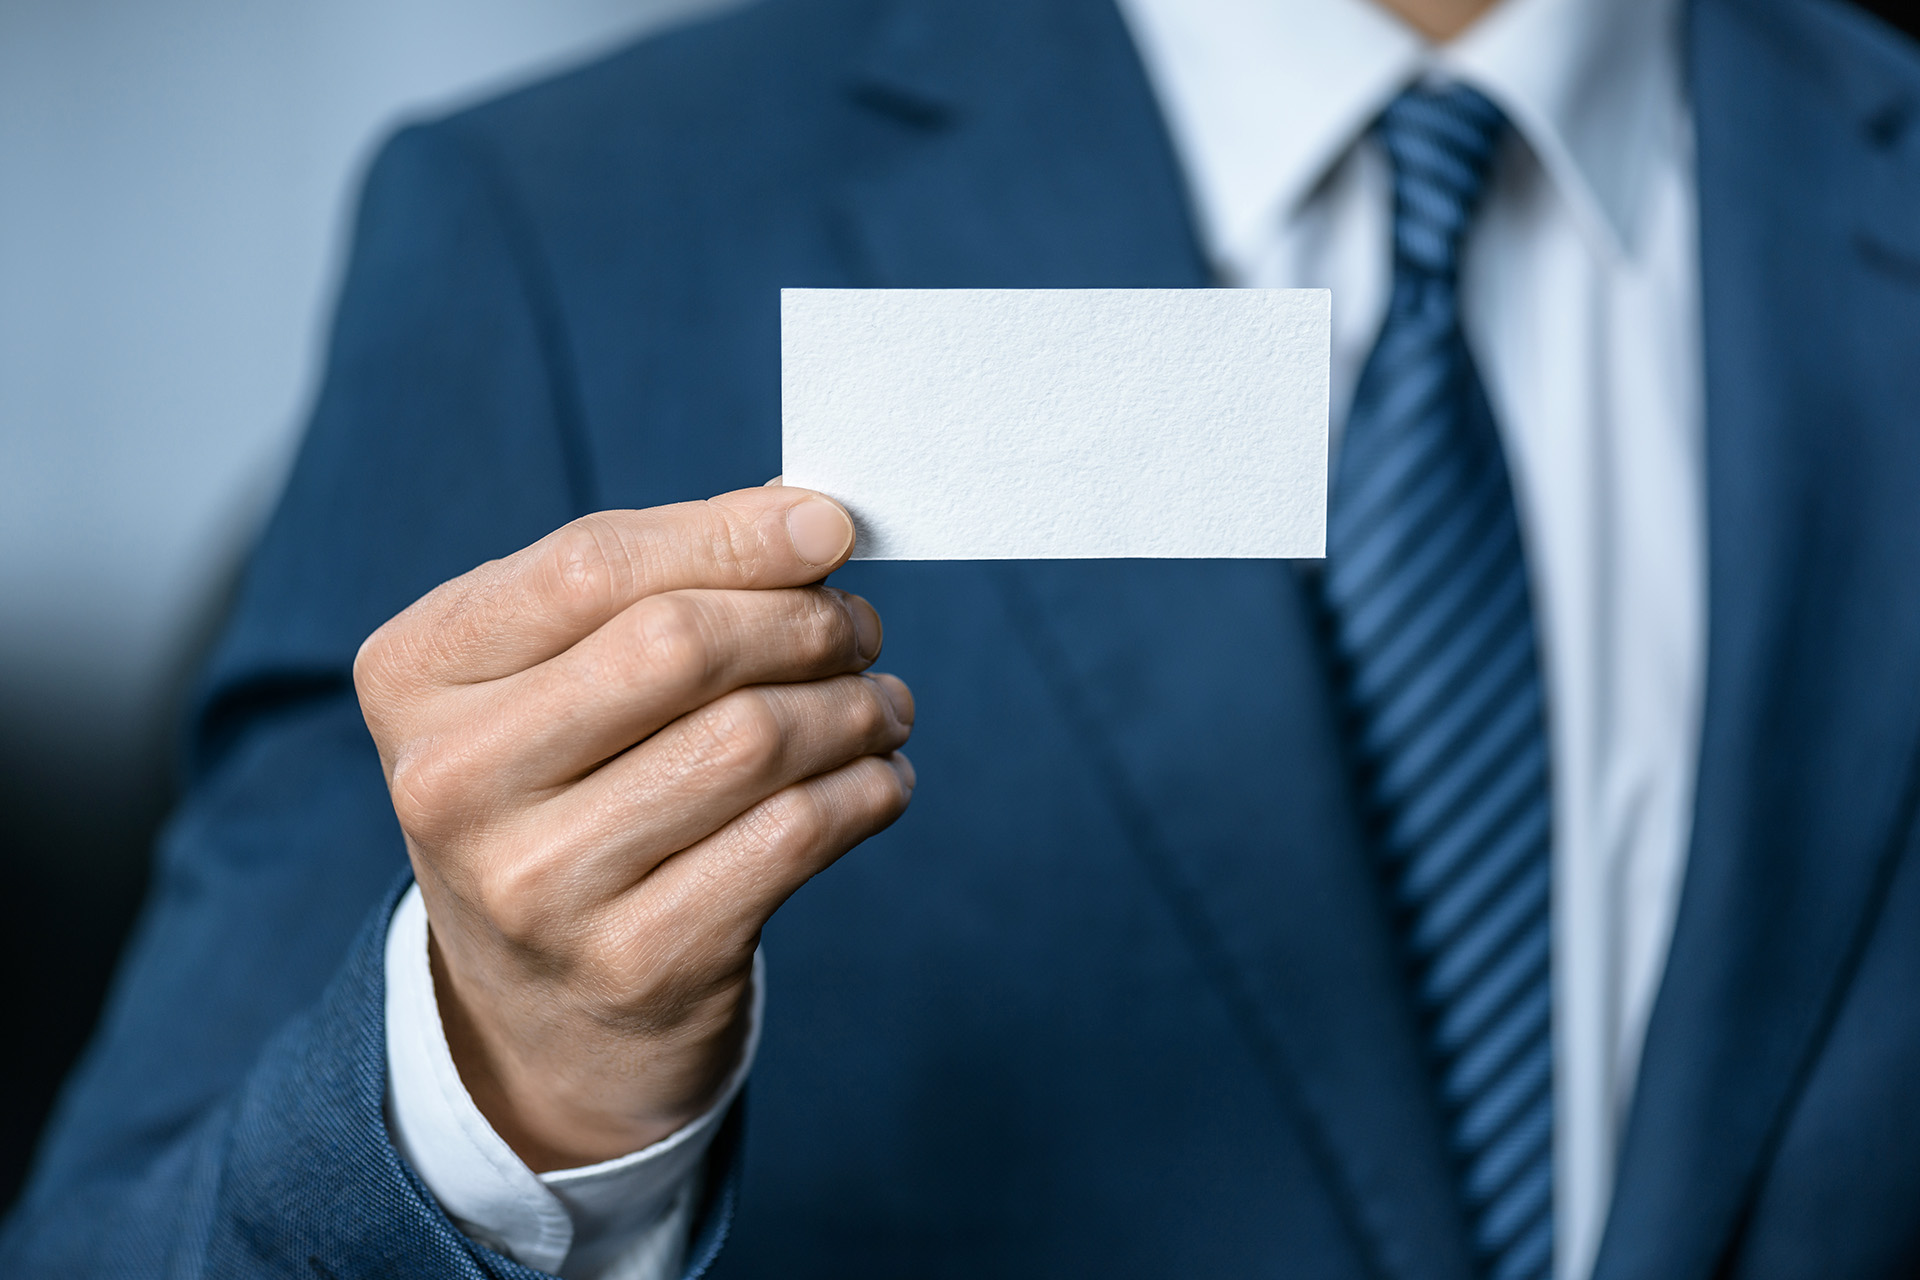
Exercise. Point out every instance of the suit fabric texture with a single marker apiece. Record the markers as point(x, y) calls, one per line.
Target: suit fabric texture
point(1118, 996)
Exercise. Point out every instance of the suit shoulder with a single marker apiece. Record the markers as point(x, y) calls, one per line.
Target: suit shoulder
point(753, 79)
point(1867, 60)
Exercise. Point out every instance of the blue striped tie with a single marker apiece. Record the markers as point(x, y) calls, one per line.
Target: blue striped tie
point(1431, 626)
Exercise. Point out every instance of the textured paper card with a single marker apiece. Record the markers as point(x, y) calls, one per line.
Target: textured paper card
point(992, 424)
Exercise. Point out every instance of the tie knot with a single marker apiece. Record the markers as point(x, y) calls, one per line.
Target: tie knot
point(1441, 142)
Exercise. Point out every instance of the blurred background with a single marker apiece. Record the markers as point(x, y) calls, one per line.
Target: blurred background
point(173, 181)
point(174, 178)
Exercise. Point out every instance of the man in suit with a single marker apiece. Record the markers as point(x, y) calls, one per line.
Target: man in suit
point(1528, 891)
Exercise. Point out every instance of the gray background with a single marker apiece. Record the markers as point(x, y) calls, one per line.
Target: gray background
point(174, 177)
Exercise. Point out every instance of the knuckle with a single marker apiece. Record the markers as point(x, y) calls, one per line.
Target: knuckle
point(733, 544)
point(585, 570)
point(826, 626)
point(872, 718)
point(370, 662)
point(672, 646)
point(382, 666)
point(790, 824)
point(428, 788)
point(371, 684)
point(741, 734)
point(519, 900)
point(883, 794)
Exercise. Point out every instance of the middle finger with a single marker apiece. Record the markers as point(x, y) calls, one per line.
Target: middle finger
point(661, 658)
point(701, 772)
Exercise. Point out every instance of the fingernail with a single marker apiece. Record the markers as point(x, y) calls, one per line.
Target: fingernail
point(820, 531)
point(866, 629)
point(904, 767)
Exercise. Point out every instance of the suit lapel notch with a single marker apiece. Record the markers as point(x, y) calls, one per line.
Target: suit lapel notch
point(1022, 149)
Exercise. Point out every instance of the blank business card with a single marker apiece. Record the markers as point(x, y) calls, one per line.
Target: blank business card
point(994, 424)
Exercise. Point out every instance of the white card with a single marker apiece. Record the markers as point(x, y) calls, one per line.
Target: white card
point(992, 424)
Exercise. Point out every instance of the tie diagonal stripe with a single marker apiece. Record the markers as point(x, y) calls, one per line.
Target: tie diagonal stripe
point(1429, 617)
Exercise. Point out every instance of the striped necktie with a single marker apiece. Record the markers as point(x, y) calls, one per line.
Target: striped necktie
point(1431, 628)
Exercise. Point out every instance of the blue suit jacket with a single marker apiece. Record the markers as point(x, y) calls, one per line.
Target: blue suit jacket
point(1117, 996)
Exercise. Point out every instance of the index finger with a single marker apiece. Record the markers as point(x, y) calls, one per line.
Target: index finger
point(512, 613)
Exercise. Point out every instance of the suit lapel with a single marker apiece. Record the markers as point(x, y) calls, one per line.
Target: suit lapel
point(1022, 148)
point(1199, 691)
point(1808, 752)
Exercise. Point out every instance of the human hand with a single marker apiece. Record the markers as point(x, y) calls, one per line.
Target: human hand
point(614, 754)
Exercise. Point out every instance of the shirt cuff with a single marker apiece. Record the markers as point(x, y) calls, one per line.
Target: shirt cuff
point(622, 1219)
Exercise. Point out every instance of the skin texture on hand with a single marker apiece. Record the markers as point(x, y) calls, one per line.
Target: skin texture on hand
point(614, 754)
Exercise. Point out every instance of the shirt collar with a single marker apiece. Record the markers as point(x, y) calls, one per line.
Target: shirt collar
point(1264, 96)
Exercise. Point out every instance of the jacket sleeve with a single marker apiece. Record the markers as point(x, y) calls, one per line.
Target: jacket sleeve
point(227, 1119)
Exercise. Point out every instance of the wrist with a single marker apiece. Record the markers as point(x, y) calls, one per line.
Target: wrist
point(564, 1092)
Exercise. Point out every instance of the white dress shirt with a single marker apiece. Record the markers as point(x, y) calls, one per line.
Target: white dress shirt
point(1580, 291)
point(623, 1219)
